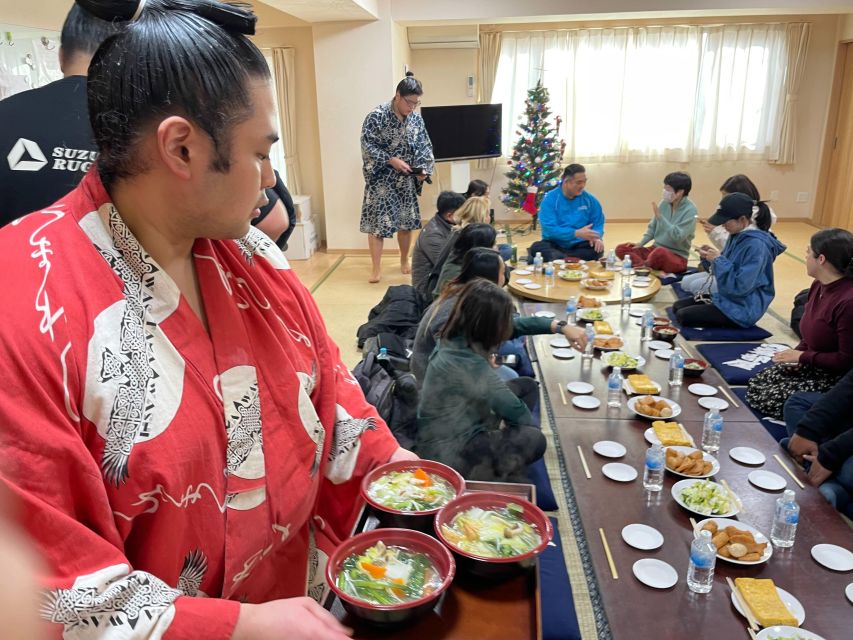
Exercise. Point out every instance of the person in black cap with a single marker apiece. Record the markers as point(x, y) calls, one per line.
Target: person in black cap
point(46, 137)
point(744, 270)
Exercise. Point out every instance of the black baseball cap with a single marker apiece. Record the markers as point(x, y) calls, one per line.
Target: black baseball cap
point(732, 207)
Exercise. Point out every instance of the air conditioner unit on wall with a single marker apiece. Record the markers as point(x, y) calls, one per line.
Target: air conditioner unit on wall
point(447, 37)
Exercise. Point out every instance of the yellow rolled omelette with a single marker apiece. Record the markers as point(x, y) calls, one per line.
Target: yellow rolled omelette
point(764, 602)
point(671, 434)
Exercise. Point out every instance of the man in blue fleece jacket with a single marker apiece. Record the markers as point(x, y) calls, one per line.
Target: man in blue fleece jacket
point(572, 220)
point(744, 270)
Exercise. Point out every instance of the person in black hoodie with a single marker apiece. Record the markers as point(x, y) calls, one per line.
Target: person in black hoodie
point(46, 135)
point(820, 427)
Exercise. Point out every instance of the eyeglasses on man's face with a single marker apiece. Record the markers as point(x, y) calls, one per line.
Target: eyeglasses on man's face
point(413, 104)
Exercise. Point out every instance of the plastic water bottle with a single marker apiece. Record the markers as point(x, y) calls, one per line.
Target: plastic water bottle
point(614, 388)
point(648, 325)
point(703, 557)
point(611, 260)
point(626, 268)
point(653, 475)
point(572, 310)
point(626, 295)
point(383, 359)
point(785, 520)
point(549, 275)
point(537, 263)
point(590, 346)
point(676, 368)
point(711, 431)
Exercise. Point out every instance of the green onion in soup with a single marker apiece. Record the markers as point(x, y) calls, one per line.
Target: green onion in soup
point(414, 490)
point(492, 533)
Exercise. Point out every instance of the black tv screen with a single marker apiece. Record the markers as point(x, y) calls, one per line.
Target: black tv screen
point(464, 131)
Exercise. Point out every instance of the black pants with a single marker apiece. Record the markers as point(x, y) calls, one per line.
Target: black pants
point(690, 313)
point(527, 390)
point(552, 251)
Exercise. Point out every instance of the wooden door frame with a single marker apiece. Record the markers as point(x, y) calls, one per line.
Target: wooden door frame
point(820, 217)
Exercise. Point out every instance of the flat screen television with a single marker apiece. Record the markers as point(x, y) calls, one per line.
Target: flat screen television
point(463, 132)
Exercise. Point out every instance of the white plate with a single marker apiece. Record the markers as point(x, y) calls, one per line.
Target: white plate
point(642, 536)
point(848, 591)
point(609, 449)
point(586, 402)
point(641, 284)
point(532, 285)
point(606, 336)
point(767, 480)
point(679, 486)
point(637, 313)
point(714, 403)
point(580, 387)
point(722, 523)
point(833, 557)
point(629, 388)
point(645, 279)
point(791, 603)
point(676, 410)
point(619, 471)
point(607, 356)
point(715, 464)
point(652, 438)
point(523, 272)
point(655, 573)
point(523, 281)
point(747, 455)
point(544, 314)
point(787, 633)
point(560, 342)
point(659, 344)
point(585, 284)
point(664, 354)
point(563, 354)
point(584, 314)
point(699, 389)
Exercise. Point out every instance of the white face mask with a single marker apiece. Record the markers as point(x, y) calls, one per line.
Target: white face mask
point(667, 195)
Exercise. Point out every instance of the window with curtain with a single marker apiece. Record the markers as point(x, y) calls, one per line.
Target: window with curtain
point(277, 151)
point(669, 93)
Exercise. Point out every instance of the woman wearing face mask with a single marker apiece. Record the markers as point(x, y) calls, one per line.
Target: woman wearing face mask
point(672, 228)
point(743, 271)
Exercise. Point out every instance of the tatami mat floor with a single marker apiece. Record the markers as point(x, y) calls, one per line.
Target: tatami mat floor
point(339, 282)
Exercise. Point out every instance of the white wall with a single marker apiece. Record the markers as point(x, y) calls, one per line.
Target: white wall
point(847, 28)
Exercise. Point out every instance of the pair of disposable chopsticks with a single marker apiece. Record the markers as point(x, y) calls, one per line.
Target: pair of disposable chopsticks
point(583, 462)
point(613, 571)
point(752, 633)
point(753, 625)
point(738, 502)
point(728, 395)
point(788, 471)
point(562, 394)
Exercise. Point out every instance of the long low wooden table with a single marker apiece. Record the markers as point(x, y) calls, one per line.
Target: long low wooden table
point(631, 609)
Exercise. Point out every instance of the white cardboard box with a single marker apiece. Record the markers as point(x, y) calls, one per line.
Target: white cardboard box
point(302, 204)
point(303, 242)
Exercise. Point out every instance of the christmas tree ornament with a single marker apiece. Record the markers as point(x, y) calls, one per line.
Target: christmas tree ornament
point(530, 201)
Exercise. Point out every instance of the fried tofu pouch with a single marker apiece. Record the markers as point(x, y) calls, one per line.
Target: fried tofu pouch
point(764, 602)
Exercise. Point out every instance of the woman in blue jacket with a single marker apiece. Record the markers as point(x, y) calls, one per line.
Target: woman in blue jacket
point(743, 271)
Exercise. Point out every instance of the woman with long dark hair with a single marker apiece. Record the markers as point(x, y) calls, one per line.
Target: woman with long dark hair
point(825, 352)
point(468, 417)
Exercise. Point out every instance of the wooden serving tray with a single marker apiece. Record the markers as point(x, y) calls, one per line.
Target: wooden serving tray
point(508, 609)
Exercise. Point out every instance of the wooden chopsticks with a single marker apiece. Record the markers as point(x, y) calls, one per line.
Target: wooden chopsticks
point(583, 462)
point(562, 394)
point(753, 625)
point(738, 502)
point(728, 395)
point(788, 471)
point(613, 571)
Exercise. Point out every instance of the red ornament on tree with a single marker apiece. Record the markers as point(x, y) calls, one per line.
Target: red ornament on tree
point(530, 201)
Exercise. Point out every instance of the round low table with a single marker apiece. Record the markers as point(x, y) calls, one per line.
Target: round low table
point(563, 289)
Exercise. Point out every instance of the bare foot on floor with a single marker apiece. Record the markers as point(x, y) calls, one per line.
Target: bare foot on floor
point(405, 268)
point(374, 278)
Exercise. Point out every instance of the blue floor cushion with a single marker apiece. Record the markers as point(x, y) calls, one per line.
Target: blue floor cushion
point(559, 621)
point(720, 334)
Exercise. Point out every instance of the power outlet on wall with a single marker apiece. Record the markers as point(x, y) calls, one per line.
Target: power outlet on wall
point(802, 196)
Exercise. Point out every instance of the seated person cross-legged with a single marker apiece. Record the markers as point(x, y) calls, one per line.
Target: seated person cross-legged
point(672, 228)
point(820, 427)
point(480, 262)
point(431, 240)
point(825, 352)
point(743, 271)
point(468, 417)
point(571, 219)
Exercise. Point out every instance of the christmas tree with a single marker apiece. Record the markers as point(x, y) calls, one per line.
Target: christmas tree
point(535, 163)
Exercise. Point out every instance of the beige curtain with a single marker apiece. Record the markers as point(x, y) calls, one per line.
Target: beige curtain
point(285, 81)
point(487, 67)
point(797, 40)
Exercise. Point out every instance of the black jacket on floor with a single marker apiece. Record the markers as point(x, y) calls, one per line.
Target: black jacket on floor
point(399, 312)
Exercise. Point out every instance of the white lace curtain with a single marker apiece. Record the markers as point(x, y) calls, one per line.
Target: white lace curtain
point(671, 93)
